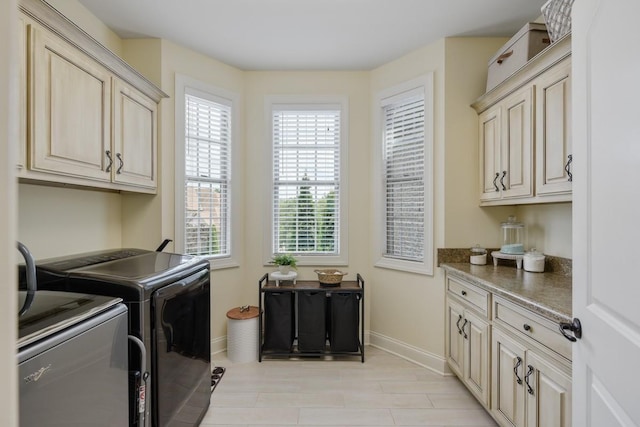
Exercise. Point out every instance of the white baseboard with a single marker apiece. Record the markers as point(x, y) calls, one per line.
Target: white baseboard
point(413, 354)
point(219, 344)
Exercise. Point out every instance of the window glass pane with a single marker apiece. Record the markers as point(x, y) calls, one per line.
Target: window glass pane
point(404, 153)
point(306, 181)
point(207, 159)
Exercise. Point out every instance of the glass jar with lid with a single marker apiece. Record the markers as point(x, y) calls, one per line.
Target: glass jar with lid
point(512, 237)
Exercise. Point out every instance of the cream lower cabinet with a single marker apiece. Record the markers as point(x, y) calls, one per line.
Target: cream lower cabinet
point(531, 372)
point(515, 362)
point(529, 388)
point(467, 344)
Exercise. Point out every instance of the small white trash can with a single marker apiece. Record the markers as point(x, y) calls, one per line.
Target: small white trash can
point(242, 334)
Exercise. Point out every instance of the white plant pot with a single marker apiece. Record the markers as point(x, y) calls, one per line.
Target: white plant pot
point(284, 269)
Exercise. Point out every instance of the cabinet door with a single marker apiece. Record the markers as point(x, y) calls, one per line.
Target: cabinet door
point(517, 145)
point(476, 356)
point(70, 109)
point(135, 137)
point(22, 93)
point(553, 133)
point(489, 137)
point(454, 340)
point(549, 397)
point(508, 388)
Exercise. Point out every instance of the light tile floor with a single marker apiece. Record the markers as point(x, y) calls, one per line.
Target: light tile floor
point(386, 390)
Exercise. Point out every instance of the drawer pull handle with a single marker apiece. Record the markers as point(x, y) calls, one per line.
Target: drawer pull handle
point(504, 56)
point(108, 153)
point(463, 332)
point(464, 293)
point(567, 168)
point(526, 379)
point(494, 181)
point(504, 173)
point(526, 327)
point(515, 370)
point(119, 156)
point(575, 326)
point(458, 324)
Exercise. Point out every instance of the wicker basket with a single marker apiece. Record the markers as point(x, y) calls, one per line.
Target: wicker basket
point(557, 16)
point(331, 277)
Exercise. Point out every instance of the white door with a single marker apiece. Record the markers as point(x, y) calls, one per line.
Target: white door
point(606, 212)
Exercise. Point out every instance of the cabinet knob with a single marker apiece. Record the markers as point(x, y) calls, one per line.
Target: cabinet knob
point(526, 327)
point(464, 293)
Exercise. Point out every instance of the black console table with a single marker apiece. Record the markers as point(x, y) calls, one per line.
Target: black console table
point(307, 319)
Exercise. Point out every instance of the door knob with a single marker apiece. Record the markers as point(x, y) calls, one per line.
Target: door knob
point(575, 326)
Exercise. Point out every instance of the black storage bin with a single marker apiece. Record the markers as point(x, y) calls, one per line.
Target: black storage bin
point(312, 333)
point(279, 321)
point(345, 319)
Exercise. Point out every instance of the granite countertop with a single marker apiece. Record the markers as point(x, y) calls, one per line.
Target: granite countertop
point(547, 294)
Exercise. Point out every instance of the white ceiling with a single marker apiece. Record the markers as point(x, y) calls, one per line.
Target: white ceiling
point(311, 34)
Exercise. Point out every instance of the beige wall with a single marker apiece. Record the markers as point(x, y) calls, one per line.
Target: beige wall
point(81, 16)
point(60, 221)
point(9, 256)
point(409, 308)
point(465, 222)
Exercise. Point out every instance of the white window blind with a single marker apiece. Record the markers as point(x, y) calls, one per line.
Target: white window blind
point(207, 174)
point(306, 181)
point(404, 178)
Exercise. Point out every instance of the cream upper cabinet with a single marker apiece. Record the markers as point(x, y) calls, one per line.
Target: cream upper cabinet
point(506, 148)
point(529, 117)
point(90, 119)
point(70, 117)
point(134, 137)
point(467, 337)
point(553, 131)
point(490, 148)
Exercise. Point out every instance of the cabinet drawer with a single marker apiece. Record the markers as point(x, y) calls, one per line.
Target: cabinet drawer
point(476, 297)
point(531, 325)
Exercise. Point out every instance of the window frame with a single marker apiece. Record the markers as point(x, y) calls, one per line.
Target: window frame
point(186, 85)
point(421, 85)
point(294, 102)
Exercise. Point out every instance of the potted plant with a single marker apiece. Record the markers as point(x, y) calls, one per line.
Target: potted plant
point(285, 262)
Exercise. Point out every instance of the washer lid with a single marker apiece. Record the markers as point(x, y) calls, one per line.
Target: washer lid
point(47, 312)
point(148, 270)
